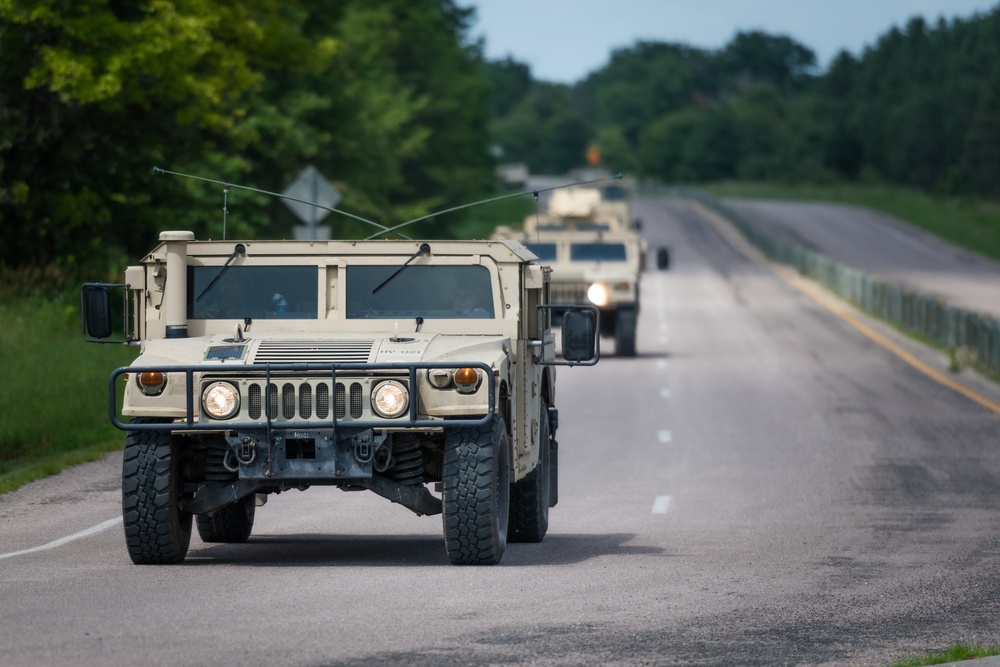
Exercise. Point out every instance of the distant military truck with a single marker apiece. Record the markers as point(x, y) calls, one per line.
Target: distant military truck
point(596, 256)
point(405, 368)
point(595, 267)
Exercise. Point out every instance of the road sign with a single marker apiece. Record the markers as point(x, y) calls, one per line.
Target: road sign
point(310, 186)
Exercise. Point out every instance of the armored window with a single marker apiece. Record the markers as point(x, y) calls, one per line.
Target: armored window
point(597, 252)
point(431, 292)
point(546, 251)
point(258, 292)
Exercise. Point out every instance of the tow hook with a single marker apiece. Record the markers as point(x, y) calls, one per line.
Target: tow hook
point(245, 452)
point(366, 444)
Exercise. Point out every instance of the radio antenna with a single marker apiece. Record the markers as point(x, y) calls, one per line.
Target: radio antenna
point(491, 200)
point(383, 229)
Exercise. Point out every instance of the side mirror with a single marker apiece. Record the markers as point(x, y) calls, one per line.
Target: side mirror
point(637, 224)
point(663, 259)
point(579, 335)
point(96, 305)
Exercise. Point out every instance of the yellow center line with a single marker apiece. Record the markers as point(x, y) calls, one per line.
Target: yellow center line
point(837, 307)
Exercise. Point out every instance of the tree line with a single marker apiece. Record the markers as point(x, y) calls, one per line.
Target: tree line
point(919, 108)
point(396, 105)
point(387, 100)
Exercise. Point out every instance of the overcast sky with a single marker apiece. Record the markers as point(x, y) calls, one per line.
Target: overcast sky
point(564, 40)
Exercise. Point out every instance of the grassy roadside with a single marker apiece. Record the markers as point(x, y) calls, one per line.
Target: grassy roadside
point(53, 397)
point(955, 653)
point(970, 224)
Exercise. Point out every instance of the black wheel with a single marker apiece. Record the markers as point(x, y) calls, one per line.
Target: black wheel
point(625, 333)
point(156, 530)
point(231, 524)
point(530, 498)
point(663, 259)
point(476, 498)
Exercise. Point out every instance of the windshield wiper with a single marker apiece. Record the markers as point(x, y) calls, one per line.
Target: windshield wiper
point(240, 249)
point(424, 249)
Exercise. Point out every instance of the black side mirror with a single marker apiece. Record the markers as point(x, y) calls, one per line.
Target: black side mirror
point(579, 335)
point(96, 311)
point(663, 259)
point(637, 224)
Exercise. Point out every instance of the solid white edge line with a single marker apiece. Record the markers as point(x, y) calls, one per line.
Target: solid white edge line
point(65, 540)
point(661, 504)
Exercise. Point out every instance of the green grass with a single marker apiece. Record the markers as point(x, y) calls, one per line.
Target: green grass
point(53, 397)
point(968, 223)
point(954, 654)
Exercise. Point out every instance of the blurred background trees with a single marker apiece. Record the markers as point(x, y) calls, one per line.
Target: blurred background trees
point(396, 106)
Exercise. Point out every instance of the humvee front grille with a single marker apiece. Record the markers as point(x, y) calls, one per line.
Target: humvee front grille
point(307, 400)
point(568, 292)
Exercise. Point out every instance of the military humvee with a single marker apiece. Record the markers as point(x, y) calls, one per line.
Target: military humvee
point(596, 257)
point(389, 366)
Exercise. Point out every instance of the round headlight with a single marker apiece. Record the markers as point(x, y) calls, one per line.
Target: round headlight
point(598, 294)
point(221, 400)
point(390, 399)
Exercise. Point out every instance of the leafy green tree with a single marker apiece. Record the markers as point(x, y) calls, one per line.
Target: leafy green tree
point(545, 130)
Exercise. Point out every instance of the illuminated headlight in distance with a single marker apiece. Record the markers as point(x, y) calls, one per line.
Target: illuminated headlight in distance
point(598, 294)
point(466, 379)
point(390, 399)
point(221, 400)
point(151, 382)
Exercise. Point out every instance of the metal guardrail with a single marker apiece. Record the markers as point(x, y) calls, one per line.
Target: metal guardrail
point(971, 336)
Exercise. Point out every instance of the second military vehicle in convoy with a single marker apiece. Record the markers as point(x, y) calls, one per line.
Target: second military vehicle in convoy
point(596, 256)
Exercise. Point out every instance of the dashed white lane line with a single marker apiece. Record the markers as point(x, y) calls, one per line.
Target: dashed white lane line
point(664, 436)
point(661, 504)
point(65, 540)
point(661, 363)
point(665, 393)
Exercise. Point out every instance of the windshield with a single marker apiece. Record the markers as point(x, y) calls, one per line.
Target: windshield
point(431, 292)
point(545, 251)
point(257, 292)
point(597, 252)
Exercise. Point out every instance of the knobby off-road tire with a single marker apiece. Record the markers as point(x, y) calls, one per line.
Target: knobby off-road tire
point(230, 524)
point(476, 498)
point(529, 498)
point(625, 333)
point(156, 531)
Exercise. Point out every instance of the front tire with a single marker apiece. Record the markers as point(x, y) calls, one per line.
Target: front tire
point(530, 498)
point(625, 333)
point(231, 524)
point(157, 532)
point(476, 498)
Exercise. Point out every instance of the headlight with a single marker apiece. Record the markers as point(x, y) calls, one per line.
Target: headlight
point(221, 400)
point(598, 294)
point(390, 399)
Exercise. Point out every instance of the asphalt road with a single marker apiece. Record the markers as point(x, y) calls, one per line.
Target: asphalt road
point(763, 485)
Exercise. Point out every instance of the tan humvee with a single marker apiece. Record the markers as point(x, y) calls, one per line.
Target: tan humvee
point(266, 366)
point(595, 254)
